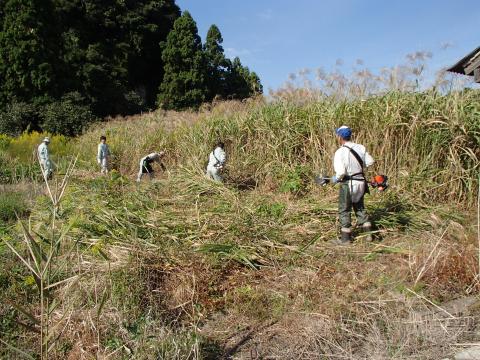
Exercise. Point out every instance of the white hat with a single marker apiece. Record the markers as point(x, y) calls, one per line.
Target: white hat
point(46, 139)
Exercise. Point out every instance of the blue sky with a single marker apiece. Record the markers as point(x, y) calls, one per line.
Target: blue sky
point(278, 37)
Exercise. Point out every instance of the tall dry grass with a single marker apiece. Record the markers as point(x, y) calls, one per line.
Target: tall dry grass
point(427, 142)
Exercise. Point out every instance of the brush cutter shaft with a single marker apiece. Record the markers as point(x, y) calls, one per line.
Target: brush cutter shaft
point(379, 182)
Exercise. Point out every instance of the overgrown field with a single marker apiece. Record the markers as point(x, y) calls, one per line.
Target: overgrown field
point(185, 268)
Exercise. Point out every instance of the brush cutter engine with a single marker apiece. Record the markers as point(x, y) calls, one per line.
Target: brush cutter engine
point(379, 182)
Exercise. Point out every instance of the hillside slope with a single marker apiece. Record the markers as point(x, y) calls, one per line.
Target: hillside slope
point(185, 268)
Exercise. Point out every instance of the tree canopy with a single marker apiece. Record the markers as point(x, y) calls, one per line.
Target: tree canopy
point(112, 57)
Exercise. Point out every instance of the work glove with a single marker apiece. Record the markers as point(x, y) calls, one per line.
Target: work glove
point(334, 179)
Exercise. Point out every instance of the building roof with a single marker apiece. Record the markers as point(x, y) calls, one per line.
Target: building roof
point(464, 66)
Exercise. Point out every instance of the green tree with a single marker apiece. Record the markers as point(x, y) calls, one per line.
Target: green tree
point(241, 83)
point(28, 50)
point(217, 64)
point(17, 117)
point(117, 56)
point(153, 21)
point(184, 81)
point(68, 116)
point(256, 87)
point(111, 50)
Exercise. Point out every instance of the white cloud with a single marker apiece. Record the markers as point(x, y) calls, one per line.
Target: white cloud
point(233, 52)
point(266, 15)
point(446, 45)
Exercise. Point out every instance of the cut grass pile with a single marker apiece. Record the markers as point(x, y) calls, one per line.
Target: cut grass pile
point(165, 265)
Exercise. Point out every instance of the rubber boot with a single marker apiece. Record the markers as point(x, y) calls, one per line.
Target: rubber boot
point(367, 228)
point(345, 237)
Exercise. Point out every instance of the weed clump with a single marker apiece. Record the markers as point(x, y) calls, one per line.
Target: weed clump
point(12, 205)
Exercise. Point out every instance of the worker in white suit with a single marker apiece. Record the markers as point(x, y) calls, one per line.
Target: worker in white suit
point(216, 162)
point(146, 164)
point(350, 162)
point(103, 155)
point(44, 158)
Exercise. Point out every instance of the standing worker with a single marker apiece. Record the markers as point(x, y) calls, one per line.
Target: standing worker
point(103, 155)
point(349, 163)
point(216, 162)
point(146, 164)
point(44, 158)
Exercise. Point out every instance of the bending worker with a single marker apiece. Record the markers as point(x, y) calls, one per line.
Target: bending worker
point(216, 162)
point(44, 158)
point(146, 164)
point(103, 155)
point(349, 163)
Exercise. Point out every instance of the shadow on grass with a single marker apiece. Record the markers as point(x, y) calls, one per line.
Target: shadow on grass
point(242, 183)
point(393, 213)
point(212, 350)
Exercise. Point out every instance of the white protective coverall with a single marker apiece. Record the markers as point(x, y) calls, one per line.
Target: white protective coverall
point(44, 158)
point(216, 161)
point(345, 164)
point(146, 165)
point(103, 156)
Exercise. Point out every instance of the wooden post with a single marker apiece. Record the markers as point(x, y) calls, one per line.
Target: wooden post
point(476, 75)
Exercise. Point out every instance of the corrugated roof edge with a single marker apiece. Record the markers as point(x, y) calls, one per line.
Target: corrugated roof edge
point(459, 67)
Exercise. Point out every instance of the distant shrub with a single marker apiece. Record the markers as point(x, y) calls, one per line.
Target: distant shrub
point(23, 148)
point(11, 205)
point(69, 116)
point(18, 156)
point(17, 117)
point(134, 103)
point(4, 141)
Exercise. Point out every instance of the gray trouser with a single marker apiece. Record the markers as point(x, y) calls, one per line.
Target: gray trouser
point(46, 166)
point(103, 165)
point(345, 208)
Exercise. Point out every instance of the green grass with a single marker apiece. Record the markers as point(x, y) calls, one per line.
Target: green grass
point(12, 205)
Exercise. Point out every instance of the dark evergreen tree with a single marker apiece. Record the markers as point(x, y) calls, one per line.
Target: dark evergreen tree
point(153, 22)
point(113, 49)
point(28, 49)
point(241, 83)
point(256, 87)
point(183, 84)
point(217, 64)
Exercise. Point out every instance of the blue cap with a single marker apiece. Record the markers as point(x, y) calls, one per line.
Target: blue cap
point(344, 132)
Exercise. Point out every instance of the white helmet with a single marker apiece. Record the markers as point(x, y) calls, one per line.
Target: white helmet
point(46, 139)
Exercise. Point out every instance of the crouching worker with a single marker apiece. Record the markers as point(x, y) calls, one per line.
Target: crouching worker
point(216, 162)
point(103, 155)
point(146, 164)
point(44, 158)
point(349, 163)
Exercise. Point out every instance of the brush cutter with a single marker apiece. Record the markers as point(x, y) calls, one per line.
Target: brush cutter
point(379, 182)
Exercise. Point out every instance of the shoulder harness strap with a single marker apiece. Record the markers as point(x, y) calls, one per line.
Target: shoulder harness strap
point(355, 155)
